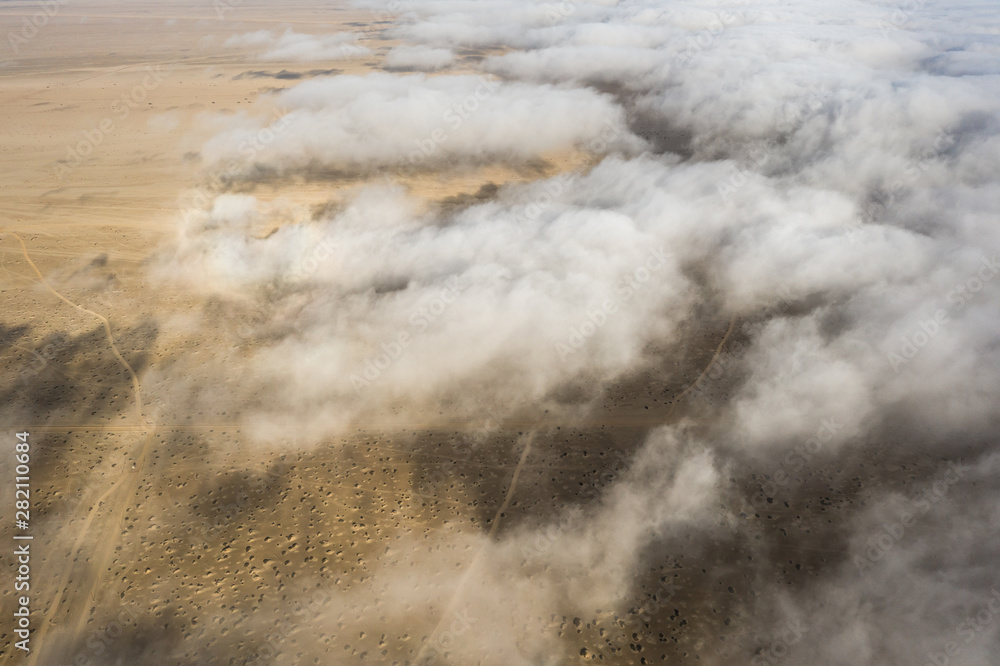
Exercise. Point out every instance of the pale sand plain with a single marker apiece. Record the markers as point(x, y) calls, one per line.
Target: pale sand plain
point(162, 535)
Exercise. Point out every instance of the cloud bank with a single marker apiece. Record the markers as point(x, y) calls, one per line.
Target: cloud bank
point(420, 58)
point(291, 46)
point(823, 176)
point(349, 123)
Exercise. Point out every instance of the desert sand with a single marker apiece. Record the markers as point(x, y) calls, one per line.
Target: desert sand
point(207, 542)
point(166, 533)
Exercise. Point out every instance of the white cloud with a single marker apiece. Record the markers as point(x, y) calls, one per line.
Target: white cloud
point(292, 46)
point(419, 58)
point(823, 172)
point(415, 121)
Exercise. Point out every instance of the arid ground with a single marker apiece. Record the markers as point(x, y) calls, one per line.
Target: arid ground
point(252, 445)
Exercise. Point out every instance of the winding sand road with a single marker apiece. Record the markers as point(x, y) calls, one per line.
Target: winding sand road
point(126, 486)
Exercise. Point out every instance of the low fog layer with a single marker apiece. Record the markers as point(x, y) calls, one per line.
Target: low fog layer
point(349, 123)
point(298, 47)
point(824, 176)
